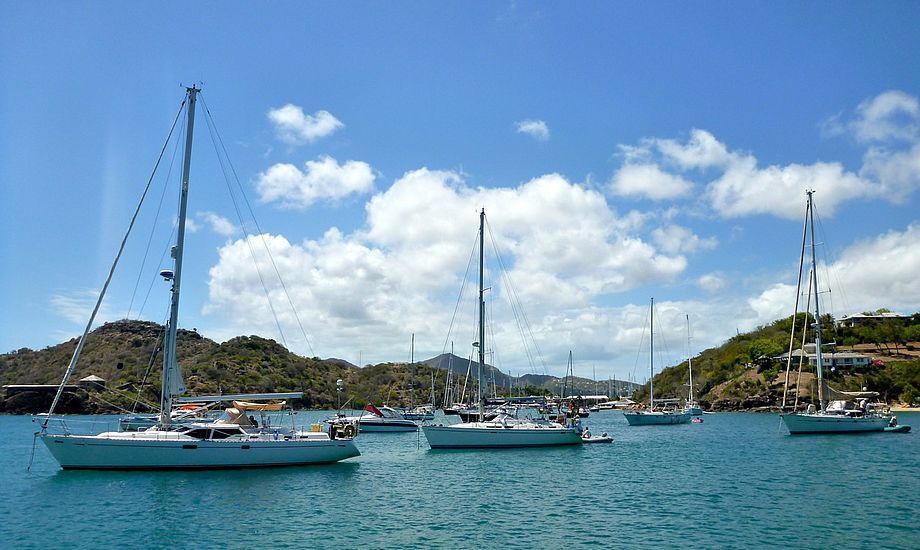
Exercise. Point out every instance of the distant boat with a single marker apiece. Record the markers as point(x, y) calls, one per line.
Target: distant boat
point(603, 438)
point(692, 406)
point(419, 412)
point(384, 419)
point(849, 415)
point(654, 416)
point(505, 430)
point(621, 403)
point(232, 441)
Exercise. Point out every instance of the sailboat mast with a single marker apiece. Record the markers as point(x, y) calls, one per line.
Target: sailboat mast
point(172, 381)
point(412, 372)
point(689, 359)
point(482, 308)
point(814, 275)
point(651, 356)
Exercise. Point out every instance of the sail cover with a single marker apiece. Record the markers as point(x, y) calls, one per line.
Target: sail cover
point(246, 406)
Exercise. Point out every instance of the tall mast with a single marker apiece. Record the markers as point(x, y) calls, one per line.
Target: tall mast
point(482, 309)
point(689, 360)
point(651, 356)
point(172, 379)
point(814, 280)
point(412, 371)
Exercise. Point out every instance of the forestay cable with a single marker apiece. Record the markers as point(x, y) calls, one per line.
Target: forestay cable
point(121, 248)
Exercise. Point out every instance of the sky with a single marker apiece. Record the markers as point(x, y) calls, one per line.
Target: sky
point(622, 151)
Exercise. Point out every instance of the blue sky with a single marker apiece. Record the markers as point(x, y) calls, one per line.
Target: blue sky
point(622, 151)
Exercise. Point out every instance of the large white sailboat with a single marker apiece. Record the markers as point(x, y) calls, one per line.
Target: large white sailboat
point(654, 416)
point(231, 441)
point(506, 430)
point(851, 414)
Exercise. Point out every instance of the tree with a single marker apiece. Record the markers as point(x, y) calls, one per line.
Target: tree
point(763, 348)
point(910, 395)
point(893, 332)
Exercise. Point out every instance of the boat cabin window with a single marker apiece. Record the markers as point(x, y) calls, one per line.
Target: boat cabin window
point(198, 433)
point(224, 433)
point(212, 433)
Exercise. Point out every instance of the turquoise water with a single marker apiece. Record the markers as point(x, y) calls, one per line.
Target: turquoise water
point(735, 481)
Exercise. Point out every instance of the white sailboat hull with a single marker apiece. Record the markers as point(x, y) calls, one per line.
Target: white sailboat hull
point(486, 435)
point(655, 418)
point(168, 451)
point(818, 423)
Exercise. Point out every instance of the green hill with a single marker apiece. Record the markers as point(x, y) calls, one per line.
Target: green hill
point(739, 374)
point(743, 373)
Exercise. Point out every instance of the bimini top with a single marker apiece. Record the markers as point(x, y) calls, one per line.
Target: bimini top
point(247, 406)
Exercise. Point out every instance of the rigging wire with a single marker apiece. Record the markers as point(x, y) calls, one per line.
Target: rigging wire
point(224, 169)
point(640, 347)
point(212, 126)
point(105, 286)
point(828, 273)
point(153, 228)
point(150, 362)
point(153, 279)
point(523, 323)
point(463, 286)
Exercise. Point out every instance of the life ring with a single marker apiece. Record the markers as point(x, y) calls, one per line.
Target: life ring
point(349, 430)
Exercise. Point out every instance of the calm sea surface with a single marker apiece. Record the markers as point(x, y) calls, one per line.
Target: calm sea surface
point(735, 481)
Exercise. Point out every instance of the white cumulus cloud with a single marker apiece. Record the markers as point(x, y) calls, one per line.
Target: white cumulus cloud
point(892, 115)
point(294, 127)
point(745, 189)
point(711, 282)
point(649, 181)
point(735, 184)
point(562, 246)
point(320, 179)
point(879, 272)
point(219, 224)
point(536, 129)
point(675, 239)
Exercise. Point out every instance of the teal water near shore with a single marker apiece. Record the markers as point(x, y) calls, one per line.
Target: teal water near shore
point(737, 480)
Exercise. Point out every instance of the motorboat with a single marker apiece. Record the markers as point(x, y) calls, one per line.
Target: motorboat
point(373, 419)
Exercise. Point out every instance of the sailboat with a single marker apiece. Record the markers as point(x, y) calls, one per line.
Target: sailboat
point(848, 415)
point(692, 406)
point(653, 415)
point(506, 430)
point(418, 412)
point(231, 441)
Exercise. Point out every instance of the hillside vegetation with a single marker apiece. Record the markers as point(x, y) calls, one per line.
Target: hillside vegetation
point(126, 354)
point(740, 374)
point(743, 372)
